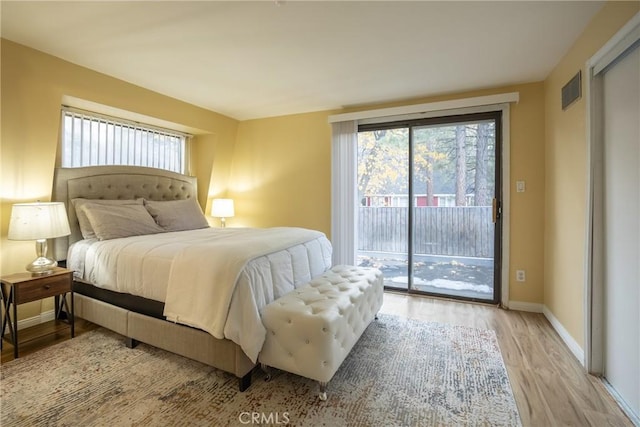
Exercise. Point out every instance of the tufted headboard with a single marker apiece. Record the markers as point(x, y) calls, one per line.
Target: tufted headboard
point(115, 183)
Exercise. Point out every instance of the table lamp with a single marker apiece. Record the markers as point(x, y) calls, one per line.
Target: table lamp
point(222, 208)
point(39, 221)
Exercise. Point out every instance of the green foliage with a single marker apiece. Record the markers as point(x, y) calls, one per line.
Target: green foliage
point(383, 159)
point(383, 162)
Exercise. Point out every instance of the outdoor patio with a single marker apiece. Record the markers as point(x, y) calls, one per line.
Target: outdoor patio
point(460, 277)
point(453, 248)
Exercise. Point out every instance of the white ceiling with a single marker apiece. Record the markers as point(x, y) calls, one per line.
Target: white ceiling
point(260, 59)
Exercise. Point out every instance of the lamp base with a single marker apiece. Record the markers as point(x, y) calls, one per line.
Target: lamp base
point(41, 266)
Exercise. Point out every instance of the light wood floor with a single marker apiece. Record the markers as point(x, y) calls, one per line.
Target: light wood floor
point(550, 386)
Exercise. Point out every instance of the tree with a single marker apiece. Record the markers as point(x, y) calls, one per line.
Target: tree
point(461, 165)
point(383, 162)
point(450, 158)
point(481, 190)
point(431, 157)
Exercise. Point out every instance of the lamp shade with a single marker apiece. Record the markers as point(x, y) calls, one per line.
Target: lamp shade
point(35, 221)
point(222, 208)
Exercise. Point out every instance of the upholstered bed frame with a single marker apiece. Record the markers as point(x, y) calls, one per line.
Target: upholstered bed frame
point(131, 182)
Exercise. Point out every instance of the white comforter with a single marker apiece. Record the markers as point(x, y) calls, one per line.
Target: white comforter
point(214, 279)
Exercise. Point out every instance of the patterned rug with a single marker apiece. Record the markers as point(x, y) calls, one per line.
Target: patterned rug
point(401, 373)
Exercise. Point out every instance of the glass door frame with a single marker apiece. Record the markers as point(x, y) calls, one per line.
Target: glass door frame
point(497, 117)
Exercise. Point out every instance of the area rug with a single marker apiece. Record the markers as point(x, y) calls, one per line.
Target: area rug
point(401, 373)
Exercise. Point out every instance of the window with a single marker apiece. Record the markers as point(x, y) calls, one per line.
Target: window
point(92, 139)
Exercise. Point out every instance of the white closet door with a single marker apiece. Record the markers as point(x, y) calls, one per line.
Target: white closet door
point(622, 228)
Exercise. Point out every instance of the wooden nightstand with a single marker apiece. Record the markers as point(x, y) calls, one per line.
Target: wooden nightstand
point(24, 287)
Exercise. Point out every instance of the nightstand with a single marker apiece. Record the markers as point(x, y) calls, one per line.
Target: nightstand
point(24, 287)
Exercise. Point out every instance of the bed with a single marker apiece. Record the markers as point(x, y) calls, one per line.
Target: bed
point(187, 288)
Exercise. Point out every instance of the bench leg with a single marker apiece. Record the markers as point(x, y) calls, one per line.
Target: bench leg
point(323, 391)
point(267, 370)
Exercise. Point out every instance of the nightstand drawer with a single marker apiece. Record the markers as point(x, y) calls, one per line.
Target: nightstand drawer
point(42, 288)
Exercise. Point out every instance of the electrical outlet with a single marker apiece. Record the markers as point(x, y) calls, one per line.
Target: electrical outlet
point(520, 186)
point(520, 276)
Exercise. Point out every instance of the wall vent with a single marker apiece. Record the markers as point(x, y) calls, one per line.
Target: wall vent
point(572, 91)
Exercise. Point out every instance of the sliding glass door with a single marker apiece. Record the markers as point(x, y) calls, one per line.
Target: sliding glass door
point(429, 194)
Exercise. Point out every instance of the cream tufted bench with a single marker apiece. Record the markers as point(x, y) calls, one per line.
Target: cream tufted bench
point(312, 329)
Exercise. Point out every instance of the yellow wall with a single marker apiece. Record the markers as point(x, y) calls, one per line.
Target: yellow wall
point(281, 175)
point(566, 166)
point(33, 85)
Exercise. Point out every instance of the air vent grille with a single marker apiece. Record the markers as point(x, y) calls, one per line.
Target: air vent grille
point(572, 91)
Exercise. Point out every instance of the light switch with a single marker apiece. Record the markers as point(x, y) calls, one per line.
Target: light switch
point(520, 186)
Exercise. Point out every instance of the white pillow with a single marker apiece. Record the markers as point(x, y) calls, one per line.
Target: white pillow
point(177, 215)
point(116, 221)
point(83, 221)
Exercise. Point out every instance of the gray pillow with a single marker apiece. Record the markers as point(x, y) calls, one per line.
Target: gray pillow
point(83, 221)
point(116, 221)
point(177, 215)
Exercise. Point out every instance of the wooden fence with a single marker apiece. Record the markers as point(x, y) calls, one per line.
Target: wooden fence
point(455, 231)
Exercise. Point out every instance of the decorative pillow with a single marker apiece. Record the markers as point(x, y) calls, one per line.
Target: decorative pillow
point(83, 221)
point(177, 215)
point(115, 221)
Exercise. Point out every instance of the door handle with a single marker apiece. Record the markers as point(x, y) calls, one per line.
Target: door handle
point(494, 213)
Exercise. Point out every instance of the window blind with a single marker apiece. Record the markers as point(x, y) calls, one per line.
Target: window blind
point(92, 139)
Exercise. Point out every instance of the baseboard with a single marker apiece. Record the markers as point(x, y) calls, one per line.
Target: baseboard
point(574, 347)
point(635, 419)
point(525, 306)
point(36, 320)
